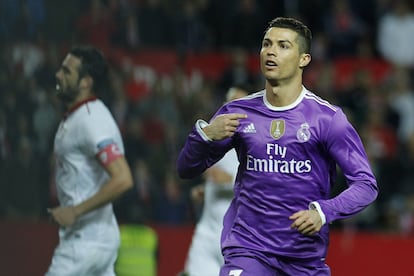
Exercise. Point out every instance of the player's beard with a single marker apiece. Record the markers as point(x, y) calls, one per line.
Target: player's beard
point(67, 95)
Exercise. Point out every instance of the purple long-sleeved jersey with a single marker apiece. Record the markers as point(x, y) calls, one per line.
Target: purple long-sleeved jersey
point(288, 157)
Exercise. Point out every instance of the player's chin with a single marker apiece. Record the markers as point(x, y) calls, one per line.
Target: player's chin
point(271, 76)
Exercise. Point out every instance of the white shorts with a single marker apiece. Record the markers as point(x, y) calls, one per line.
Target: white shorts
point(204, 257)
point(82, 258)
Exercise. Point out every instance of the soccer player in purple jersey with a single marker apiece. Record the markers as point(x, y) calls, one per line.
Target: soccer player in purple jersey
point(289, 142)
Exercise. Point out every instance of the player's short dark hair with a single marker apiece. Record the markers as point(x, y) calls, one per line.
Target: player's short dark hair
point(304, 33)
point(93, 64)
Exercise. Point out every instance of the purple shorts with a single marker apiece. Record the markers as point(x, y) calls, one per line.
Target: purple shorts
point(251, 266)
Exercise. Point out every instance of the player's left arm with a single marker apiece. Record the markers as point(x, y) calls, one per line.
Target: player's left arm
point(119, 182)
point(208, 142)
point(346, 148)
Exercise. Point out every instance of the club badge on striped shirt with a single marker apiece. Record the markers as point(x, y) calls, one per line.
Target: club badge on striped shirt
point(277, 128)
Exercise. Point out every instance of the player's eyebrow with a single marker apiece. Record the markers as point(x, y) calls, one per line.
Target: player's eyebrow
point(285, 41)
point(278, 41)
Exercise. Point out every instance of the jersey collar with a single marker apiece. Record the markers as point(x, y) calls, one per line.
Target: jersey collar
point(77, 105)
point(283, 108)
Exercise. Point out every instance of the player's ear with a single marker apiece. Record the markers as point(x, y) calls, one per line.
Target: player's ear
point(305, 59)
point(86, 82)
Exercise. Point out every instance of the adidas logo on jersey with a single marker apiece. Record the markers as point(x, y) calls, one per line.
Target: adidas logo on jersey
point(249, 128)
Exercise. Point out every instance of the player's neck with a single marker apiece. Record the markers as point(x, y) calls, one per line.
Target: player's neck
point(83, 96)
point(283, 95)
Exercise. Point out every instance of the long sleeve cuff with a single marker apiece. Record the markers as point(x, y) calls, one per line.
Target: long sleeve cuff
point(314, 205)
point(200, 124)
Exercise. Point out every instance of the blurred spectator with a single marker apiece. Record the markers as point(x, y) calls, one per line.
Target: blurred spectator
point(247, 25)
point(45, 119)
point(356, 96)
point(190, 31)
point(44, 73)
point(401, 100)
point(399, 212)
point(407, 187)
point(154, 25)
point(27, 57)
point(21, 181)
point(153, 130)
point(394, 27)
point(368, 11)
point(380, 138)
point(9, 14)
point(320, 47)
point(96, 26)
point(343, 28)
point(312, 12)
point(184, 93)
point(378, 129)
point(237, 74)
point(218, 17)
point(21, 20)
point(4, 143)
point(119, 105)
point(135, 86)
point(34, 12)
point(138, 205)
point(127, 35)
point(134, 139)
point(163, 102)
point(124, 14)
point(60, 20)
point(18, 109)
point(320, 76)
point(173, 205)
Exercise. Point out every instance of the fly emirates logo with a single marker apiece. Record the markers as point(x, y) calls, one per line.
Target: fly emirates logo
point(276, 162)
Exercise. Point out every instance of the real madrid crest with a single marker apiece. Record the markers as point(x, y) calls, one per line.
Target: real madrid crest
point(303, 134)
point(277, 128)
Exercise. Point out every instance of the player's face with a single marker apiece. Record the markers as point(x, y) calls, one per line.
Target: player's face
point(67, 79)
point(280, 58)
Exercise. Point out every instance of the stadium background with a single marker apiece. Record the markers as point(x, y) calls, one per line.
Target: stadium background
point(171, 63)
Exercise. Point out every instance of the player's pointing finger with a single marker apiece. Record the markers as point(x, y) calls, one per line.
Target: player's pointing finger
point(235, 116)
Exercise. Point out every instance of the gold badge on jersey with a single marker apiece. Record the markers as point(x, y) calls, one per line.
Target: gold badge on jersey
point(277, 128)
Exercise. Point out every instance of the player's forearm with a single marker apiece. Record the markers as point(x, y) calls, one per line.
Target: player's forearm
point(120, 182)
point(349, 202)
point(191, 161)
point(199, 153)
point(187, 166)
point(108, 193)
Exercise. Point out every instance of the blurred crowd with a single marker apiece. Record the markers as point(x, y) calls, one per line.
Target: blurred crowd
point(363, 60)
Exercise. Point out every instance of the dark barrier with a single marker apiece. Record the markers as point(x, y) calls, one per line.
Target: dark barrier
point(26, 249)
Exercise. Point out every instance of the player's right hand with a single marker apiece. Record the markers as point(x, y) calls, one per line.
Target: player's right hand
point(307, 222)
point(223, 126)
point(64, 216)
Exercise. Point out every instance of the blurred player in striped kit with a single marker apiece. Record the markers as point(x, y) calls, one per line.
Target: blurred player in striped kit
point(289, 143)
point(216, 194)
point(91, 170)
